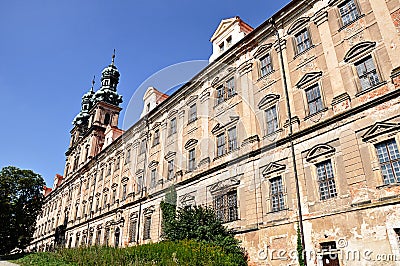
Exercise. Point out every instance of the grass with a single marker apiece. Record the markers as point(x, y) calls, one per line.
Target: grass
point(164, 253)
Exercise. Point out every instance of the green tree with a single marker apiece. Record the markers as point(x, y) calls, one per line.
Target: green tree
point(197, 223)
point(20, 203)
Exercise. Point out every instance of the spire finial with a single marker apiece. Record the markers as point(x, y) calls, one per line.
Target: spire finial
point(113, 56)
point(93, 82)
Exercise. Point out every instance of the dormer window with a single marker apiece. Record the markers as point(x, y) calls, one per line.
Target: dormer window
point(229, 41)
point(221, 47)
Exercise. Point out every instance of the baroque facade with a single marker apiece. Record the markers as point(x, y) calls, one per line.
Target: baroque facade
point(292, 124)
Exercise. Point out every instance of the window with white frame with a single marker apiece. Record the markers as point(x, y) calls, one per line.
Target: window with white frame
point(192, 160)
point(276, 191)
point(192, 113)
point(348, 12)
point(271, 119)
point(303, 41)
point(170, 174)
point(326, 180)
point(172, 126)
point(389, 160)
point(367, 73)
point(225, 206)
point(314, 99)
point(265, 65)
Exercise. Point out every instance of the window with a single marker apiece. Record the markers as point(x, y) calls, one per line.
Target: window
point(389, 160)
point(156, 139)
point(314, 99)
point(192, 160)
point(117, 162)
point(221, 47)
point(109, 169)
point(106, 119)
point(132, 230)
point(105, 201)
point(367, 73)
point(220, 94)
point(147, 225)
point(229, 41)
point(348, 12)
point(226, 206)
point(220, 144)
point(397, 231)
point(170, 174)
point(114, 196)
point(101, 174)
point(272, 119)
point(153, 178)
point(124, 192)
point(276, 188)
point(230, 87)
point(172, 126)
point(266, 65)
point(327, 186)
point(143, 146)
point(98, 235)
point(192, 113)
point(84, 210)
point(232, 139)
point(97, 204)
point(303, 41)
point(140, 184)
point(128, 156)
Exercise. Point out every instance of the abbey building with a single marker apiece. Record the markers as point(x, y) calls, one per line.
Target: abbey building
point(293, 124)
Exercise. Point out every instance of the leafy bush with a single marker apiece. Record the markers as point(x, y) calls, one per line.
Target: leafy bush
point(187, 252)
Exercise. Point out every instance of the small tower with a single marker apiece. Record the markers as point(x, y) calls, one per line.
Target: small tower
point(99, 111)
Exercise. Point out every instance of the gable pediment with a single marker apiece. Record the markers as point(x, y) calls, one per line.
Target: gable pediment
point(216, 128)
point(273, 167)
point(268, 99)
point(222, 27)
point(380, 128)
point(307, 78)
point(262, 49)
point(319, 150)
point(359, 49)
point(300, 23)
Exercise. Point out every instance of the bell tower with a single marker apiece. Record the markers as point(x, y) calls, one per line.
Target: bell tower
point(99, 111)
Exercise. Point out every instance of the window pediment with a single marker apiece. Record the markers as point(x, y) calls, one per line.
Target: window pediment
point(124, 180)
point(134, 215)
point(169, 155)
point(192, 99)
point(359, 49)
point(156, 125)
point(191, 143)
point(215, 81)
point(380, 128)
point(149, 210)
point(308, 78)
point(299, 24)
point(172, 113)
point(216, 128)
point(268, 99)
point(262, 49)
point(139, 172)
point(153, 164)
point(319, 150)
point(273, 167)
point(187, 199)
point(225, 184)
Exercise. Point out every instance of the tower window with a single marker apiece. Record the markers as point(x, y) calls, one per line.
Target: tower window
point(107, 119)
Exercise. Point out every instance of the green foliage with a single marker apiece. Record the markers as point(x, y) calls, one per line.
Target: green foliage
point(186, 252)
point(299, 247)
point(20, 202)
point(197, 223)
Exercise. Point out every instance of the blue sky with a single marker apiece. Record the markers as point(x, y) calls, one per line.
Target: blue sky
point(50, 50)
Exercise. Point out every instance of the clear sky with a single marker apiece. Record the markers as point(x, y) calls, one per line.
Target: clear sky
point(50, 50)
